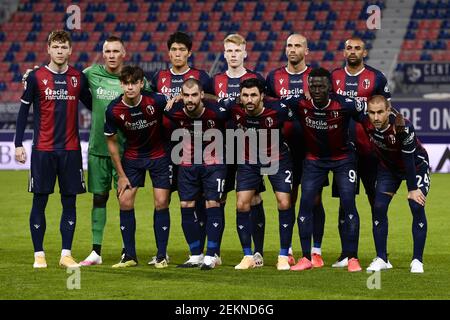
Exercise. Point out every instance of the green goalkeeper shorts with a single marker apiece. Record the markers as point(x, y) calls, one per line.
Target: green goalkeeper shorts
point(101, 172)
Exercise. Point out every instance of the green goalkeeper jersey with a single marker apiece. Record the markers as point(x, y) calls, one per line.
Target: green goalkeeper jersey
point(105, 87)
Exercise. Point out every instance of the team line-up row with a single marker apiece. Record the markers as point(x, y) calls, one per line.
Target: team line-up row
point(341, 121)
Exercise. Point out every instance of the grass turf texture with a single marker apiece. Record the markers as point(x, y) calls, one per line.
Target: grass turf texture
point(18, 280)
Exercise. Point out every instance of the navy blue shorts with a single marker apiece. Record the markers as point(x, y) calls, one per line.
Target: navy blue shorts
point(47, 165)
point(197, 179)
point(315, 174)
point(389, 181)
point(367, 173)
point(249, 177)
point(230, 181)
point(160, 171)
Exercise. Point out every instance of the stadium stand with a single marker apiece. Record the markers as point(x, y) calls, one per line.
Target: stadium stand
point(145, 26)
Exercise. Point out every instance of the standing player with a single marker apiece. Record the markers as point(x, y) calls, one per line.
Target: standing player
point(54, 90)
point(139, 117)
point(402, 157)
point(254, 115)
point(226, 85)
point(204, 175)
point(288, 81)
point(105, 86)
point(360, 81)
point(169, 82)
point(325, 120)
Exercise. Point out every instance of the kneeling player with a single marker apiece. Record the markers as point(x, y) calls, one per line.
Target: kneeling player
point(139, 117)
point(402, 157)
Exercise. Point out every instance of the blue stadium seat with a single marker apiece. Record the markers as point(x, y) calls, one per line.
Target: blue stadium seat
point(31, 57)
point(238, 7)
point(133, 7)
point(152, 47)
point(99, 27)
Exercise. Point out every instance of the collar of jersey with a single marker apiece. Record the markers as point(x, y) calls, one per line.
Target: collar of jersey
point(384, 130)
point(264, 108)
point(199, 116)
point(356, 74)
point(328, 104)
point(48, 68)
point(139, 102)
point(179, 74)
point(228, 75)
point(295, 73)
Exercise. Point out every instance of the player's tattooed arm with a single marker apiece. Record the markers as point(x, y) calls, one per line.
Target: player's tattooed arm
point(27, 73)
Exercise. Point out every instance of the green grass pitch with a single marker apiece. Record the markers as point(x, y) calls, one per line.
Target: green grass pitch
point(18, 280)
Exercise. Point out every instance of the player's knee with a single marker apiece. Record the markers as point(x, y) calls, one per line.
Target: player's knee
point(243, 206)
point(161, 203)
point(187, 204)
point(284, 204)
point(212, 204)
point(126, 203)
point(100, 200)
point(256, 199)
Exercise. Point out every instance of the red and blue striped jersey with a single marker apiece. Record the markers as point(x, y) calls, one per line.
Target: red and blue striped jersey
point(141, 125)
point(391, 146)
point(325, 129)
point(228, 87)
point(272, 117)
point(213, 116)
point(281, 83)
point(55, 98)
point(363, 85)
point(169, 84)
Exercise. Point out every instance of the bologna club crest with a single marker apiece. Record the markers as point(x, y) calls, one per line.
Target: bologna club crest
point(74, 81)
point(366, 84)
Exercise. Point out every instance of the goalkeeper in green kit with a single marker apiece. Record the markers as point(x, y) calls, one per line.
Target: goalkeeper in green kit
point(105, 86)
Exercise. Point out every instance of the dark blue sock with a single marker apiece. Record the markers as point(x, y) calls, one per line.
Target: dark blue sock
point(244, 231)
point(128, 229)
point(191, 230)
point(380, 224)
point(200, 212)
point(305, 222)
point(341, 222)
point(161, 227)
point(351, 225)
point(318, 224)
point(258, 226)
point(37, 221)
point(222, 212)
point(419, 229)
point(214, 230)
point(286, 220)
point(68, 220)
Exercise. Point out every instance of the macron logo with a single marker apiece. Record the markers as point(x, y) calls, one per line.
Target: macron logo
point(215, 225)
point(376, 222)
point(122, 116)
point(163, 80)
point(302, 219)
point(337, 82)
point(281, 81)
point(45, 82)
point(36, 226)
point(285, 225)
point(71, 223)
point(421, 225)
point(241, 227)
point(164, 228)
point(260, 225)
point(122, 228)
point(350, 216)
